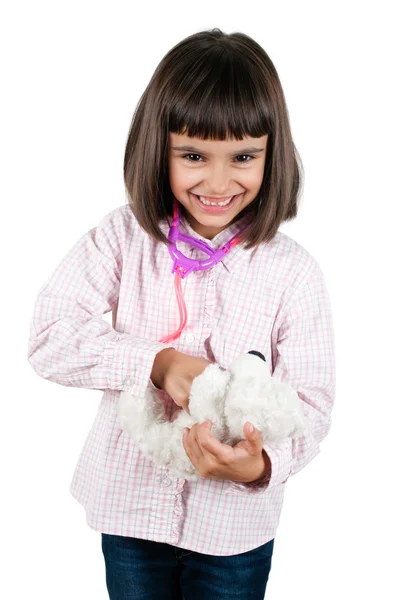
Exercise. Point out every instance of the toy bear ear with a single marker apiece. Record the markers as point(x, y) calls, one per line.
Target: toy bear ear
point(256, 353)
point(245, 365)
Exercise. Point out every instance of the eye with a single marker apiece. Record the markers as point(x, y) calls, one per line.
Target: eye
point(187, 155)
point(246, 156)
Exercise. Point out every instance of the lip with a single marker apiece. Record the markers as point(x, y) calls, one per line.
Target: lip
point(216, 209)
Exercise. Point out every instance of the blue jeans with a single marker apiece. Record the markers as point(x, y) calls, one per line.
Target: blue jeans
point(146, 570)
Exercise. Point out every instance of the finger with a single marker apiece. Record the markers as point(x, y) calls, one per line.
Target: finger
point(252, 442)
point(253, 432)
point(210, 446)
point(192, 447)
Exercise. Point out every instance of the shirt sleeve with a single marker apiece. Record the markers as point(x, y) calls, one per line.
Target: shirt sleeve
point(69, 341)
point(305, 358)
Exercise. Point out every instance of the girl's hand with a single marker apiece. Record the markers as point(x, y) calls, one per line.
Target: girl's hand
point(174, 372)
point(245, 462)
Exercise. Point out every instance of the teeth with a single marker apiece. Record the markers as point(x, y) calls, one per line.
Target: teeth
point(208, 203)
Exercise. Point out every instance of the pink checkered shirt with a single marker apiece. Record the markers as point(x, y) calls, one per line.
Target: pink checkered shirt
point(272, 299)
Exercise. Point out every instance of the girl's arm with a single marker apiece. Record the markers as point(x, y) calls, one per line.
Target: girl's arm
point(304, 357)
point(69, 342)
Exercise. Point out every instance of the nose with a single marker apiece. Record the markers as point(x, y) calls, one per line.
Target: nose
point(219, 181)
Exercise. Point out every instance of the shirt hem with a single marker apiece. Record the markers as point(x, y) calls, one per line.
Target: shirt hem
point(113, 531)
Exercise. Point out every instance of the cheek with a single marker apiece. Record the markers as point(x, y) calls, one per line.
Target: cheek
point(251, 180)
point(256, 178)
point(182, 178)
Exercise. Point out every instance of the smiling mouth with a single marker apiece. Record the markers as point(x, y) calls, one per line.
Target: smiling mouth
point(207, 202)
point(218, 202)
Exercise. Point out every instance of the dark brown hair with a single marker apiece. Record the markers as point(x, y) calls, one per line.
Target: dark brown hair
point(212, 85)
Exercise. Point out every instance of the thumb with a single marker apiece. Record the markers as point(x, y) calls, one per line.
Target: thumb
point(252, 435)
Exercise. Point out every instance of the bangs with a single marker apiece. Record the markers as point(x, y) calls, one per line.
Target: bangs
point(219, 99)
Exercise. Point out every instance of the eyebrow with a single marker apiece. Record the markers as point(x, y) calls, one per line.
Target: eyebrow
point(251, 149)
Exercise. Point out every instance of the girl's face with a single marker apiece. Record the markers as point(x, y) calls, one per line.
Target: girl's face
point(215, 171)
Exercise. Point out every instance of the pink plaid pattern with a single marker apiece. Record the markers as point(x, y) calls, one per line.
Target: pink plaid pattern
point(272, 299)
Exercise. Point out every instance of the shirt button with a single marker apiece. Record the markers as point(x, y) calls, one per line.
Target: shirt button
point(166, 481)
point(128, 381)
point(188, 337)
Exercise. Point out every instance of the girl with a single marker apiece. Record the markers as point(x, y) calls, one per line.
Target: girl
point(210, 156)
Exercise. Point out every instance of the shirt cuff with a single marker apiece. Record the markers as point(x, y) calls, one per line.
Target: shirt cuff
point(280, 456)
point(129, 361)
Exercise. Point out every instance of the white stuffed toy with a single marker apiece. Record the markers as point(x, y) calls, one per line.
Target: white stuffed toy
point(228, 398)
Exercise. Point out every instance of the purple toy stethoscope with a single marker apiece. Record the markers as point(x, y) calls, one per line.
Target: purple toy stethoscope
point(183, 265)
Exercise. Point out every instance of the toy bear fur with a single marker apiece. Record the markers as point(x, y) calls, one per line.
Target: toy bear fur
point(228, 398)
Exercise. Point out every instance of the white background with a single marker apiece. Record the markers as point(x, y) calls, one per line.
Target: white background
point(72, 73)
